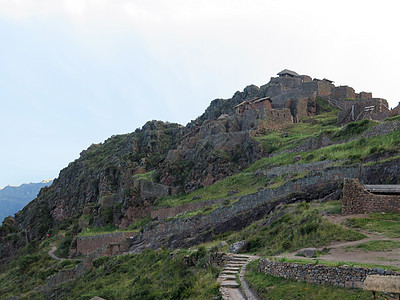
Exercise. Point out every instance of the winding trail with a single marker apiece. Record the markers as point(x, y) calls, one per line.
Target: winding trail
point(52, 255)
point(338, 251)
point(234, 269)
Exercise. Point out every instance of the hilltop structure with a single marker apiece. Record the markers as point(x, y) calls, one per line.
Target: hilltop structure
point(285, 100)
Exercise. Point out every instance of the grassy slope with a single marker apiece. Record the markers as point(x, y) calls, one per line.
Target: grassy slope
point(150, 275)
point(299, 226)
point(345, 151)
point(387, 224)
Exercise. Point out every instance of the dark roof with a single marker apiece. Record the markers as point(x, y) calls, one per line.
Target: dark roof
point(330, 81)
point(286, 71)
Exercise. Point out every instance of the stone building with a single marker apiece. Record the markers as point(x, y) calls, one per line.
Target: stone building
point(358, 198)
point(287, 73)
point(255, 104)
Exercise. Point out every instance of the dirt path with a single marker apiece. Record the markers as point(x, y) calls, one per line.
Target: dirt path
point(234, 269)
point(338, 251)
point(52, 255)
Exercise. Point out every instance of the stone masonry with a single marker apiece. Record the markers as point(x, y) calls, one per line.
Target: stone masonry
point(357, 200)
point(341, 276)
point(104, 244)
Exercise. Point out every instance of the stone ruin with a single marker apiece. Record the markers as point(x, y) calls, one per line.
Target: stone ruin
point(288, 99)
point(358, 198)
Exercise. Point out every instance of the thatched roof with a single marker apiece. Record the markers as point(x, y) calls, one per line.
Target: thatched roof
point(379, 283)
point(286, 71)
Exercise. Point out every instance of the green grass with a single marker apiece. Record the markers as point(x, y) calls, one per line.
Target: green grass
point(270, 287)
point(330, 207)
point(29, 269)
point(382, 245)
point(387, 224)
point(161, 274)
point(354, 128)
point(351, 152)
point(150, 275)
point(149, 176)
point(139, 224)
point(199, 212)
point(324, 123)
point(99, 230)
point(245, 183)
point(300, 226)
point(356, 150)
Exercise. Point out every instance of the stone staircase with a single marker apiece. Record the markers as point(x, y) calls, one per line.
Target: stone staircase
point(233, 272)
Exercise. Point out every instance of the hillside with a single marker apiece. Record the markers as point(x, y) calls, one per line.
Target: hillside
point(242, 170)
point(14, 198)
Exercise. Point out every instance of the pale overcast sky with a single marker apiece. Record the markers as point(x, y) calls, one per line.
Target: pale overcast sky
point(75, 72)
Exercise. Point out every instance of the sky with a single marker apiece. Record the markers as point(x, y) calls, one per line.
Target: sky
point(75, 72)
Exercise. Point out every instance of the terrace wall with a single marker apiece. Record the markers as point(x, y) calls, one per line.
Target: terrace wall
point(341, 276)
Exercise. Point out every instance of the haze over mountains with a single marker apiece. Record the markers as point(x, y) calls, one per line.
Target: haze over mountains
point(14, 198)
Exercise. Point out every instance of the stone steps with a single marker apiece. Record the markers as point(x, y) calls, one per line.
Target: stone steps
point(229, 275)
point(229, 272)
point(229, 284)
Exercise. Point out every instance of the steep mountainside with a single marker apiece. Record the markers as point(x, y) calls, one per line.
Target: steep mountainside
point(243, 159)
point(14, 198)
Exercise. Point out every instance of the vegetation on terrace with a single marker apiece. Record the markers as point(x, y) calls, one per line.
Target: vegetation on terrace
point(356, 150)
point(387, 224)
point(295, 226)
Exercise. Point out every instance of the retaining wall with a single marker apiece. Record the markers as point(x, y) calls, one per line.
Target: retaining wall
point(342, 276)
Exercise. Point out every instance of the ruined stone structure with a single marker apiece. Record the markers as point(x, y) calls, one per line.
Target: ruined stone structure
point(367, 108)
point(357, 198)
point(343, 276)
point(255, 104)
point(276, 119)
point(104, 244)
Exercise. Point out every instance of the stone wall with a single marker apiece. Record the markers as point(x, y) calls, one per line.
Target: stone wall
point(364, 95)
point(104, 244)
point(189, 231)
point(343, 92)
point(342, 276)
point(357, 200)
point(276, 119)
point(169, 212)
point(355, 110)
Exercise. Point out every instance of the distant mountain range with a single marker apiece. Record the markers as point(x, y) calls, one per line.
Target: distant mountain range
point(14, 198)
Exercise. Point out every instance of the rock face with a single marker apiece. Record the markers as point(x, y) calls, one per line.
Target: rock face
point(239, 247)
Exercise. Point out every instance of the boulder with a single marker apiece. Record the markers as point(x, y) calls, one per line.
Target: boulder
point(307, 252)
point(239, 246)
